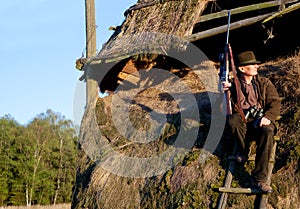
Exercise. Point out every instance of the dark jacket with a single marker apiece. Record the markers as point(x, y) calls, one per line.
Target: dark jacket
point(267, 97)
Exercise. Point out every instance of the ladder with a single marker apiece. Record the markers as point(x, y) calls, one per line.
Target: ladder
point(261, 199)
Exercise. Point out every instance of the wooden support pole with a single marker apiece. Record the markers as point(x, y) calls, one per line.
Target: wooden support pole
point(91, 85)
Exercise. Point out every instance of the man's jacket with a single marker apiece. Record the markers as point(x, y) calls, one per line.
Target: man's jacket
point(268, 97)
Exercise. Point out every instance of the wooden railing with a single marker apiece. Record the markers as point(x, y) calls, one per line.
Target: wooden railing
point(292, 6)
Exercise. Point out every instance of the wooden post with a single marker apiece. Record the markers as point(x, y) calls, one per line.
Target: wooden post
point(91, 85)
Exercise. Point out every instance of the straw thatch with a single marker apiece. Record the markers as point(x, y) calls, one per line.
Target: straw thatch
point(148, 24)
point(160, 26)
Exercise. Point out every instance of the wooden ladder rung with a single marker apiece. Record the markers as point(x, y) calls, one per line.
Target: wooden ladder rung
point(252, 158)
point(228, 180)
point(241, 159)
point(239, 190)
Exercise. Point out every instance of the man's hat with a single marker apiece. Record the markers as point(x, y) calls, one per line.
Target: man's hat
point(247, 58)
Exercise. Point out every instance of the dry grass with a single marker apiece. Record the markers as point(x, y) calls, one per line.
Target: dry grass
point(154, 20)
point(58, 206)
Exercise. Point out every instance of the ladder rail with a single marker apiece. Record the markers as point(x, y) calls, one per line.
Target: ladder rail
point(228, 179)
point(261, 199)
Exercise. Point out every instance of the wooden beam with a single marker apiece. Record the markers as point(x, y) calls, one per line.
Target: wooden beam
point(239, 190)
point(239, 10)
point(222, 29)
point(282, 12)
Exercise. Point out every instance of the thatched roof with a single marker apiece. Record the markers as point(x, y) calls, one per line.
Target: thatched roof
point(148, 24)
point(161, 26)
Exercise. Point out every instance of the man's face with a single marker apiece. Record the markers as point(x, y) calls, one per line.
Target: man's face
point(249, 70)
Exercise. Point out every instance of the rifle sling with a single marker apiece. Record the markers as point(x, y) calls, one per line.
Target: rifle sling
point(237, 85)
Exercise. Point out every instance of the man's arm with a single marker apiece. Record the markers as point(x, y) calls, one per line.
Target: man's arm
point(272, 103)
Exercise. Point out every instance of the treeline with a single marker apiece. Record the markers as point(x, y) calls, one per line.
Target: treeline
point(37, 160)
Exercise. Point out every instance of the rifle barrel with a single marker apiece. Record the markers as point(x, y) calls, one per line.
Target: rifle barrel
point(228, 27)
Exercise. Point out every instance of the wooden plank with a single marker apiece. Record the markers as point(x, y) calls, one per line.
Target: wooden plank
point(239, 10)
point(239, 190)
point(252, 158)
point(223, 28)
point(284, 11)
point(243, 9)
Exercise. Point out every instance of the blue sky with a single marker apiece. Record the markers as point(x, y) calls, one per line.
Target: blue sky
point(40, 41)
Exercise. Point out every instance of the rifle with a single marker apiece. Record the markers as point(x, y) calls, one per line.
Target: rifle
point(226, 60)
point(224, 71)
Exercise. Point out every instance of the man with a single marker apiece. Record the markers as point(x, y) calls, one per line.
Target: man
point(252, 94)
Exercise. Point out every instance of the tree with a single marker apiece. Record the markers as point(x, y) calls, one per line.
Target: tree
point(9, 131)
point(55, 148)
point(37, 161)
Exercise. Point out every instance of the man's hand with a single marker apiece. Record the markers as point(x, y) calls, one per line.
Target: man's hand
point(264, 122)
point(225, 85)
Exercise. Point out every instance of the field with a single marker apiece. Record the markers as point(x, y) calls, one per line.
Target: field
point(58, 206)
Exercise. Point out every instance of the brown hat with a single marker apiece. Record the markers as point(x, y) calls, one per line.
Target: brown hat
point(247, 58)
